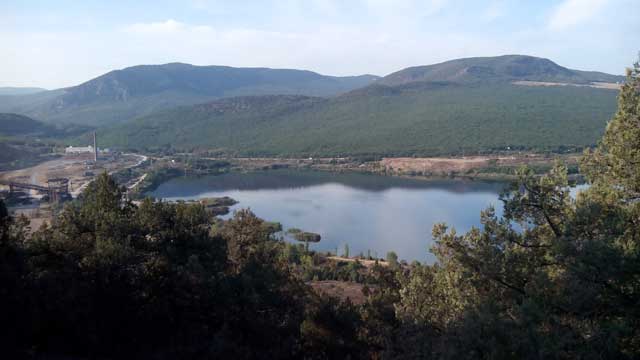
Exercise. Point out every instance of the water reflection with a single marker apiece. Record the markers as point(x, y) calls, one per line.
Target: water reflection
point(367, 212)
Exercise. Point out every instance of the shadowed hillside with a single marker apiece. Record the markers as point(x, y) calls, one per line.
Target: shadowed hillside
point(17, 125)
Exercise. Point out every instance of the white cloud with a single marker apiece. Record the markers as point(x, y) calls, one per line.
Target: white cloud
point(164, 27)
point(574, 12)
point(405, 8)
point(495, 10)
point(330, 49)
point(328, 36)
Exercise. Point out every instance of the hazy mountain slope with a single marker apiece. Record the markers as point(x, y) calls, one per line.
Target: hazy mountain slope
point(17, 125)
point(29, 103)
point(20, 127)
point(8, 90)
point(429, 119)
point(213, 81)
point(136, 91)
point(496, 69)
point(18, 145)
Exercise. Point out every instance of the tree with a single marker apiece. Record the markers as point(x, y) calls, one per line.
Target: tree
point(110, 279)
point(616, 160)
point(14, 301)
point(556, 276)
point(392, 259)
point(330, 330)
point(246, 236)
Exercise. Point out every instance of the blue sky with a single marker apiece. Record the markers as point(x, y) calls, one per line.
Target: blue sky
point(64, 42)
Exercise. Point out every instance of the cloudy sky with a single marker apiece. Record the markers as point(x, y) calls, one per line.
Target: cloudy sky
point(59, 43)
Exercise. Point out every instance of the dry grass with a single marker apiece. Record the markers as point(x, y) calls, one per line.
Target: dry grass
point(343, 290)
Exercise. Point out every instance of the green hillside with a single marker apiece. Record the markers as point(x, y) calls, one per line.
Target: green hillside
point(495, 69)
point(25, 142)
point(25, 129)
point(121, 95)
point(19, 125)
point(421, 118)
point(460, 106)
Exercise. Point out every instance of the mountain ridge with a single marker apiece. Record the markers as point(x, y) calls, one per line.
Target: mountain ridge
point(461, 106)
point(123, 94)
point(19, 90)
point(497, 69)
point(211, 80)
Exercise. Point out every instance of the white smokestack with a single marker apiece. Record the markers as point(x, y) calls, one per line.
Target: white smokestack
point(95, 148)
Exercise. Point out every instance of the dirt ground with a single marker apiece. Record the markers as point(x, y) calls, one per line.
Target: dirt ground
point(37, 216)
point(342, 290)
point(427, 166)
point(460, 164)
point(597, 85)
point(79, 171)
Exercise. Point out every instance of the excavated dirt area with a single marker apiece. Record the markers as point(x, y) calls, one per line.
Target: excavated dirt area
point(79, 171)
point(441, 165)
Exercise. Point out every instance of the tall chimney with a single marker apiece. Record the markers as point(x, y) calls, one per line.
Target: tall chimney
point(95, 148)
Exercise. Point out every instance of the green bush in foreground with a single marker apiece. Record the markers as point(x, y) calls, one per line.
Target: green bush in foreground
point(564, 286)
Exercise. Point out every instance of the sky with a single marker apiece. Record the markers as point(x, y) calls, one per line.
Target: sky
point(59, 43)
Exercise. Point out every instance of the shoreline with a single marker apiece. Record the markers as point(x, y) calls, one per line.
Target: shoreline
point(498, 168)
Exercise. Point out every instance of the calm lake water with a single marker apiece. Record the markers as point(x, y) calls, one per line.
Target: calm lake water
point(367, 212)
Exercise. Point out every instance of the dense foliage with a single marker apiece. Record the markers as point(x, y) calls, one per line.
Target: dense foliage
point(18, 154)
point(417, 119)
point(563, 284)
point(15, 125)
point(111, 279)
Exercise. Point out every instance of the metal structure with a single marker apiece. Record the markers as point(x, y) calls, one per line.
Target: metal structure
point(57, 188)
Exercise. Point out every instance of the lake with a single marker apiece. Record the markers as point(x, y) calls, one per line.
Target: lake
point(367, 212)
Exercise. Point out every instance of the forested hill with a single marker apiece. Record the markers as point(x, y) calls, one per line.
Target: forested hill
point(448, 109)
point(120, 95)
point(213, 81)
point(504, 68)
point(19, 125)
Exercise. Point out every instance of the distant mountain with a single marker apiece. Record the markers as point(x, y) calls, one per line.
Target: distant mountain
point(20, 90)
point(120, 95)
point(416, 118)
point(460, 106)
point(19, 125)
point(505, 68)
